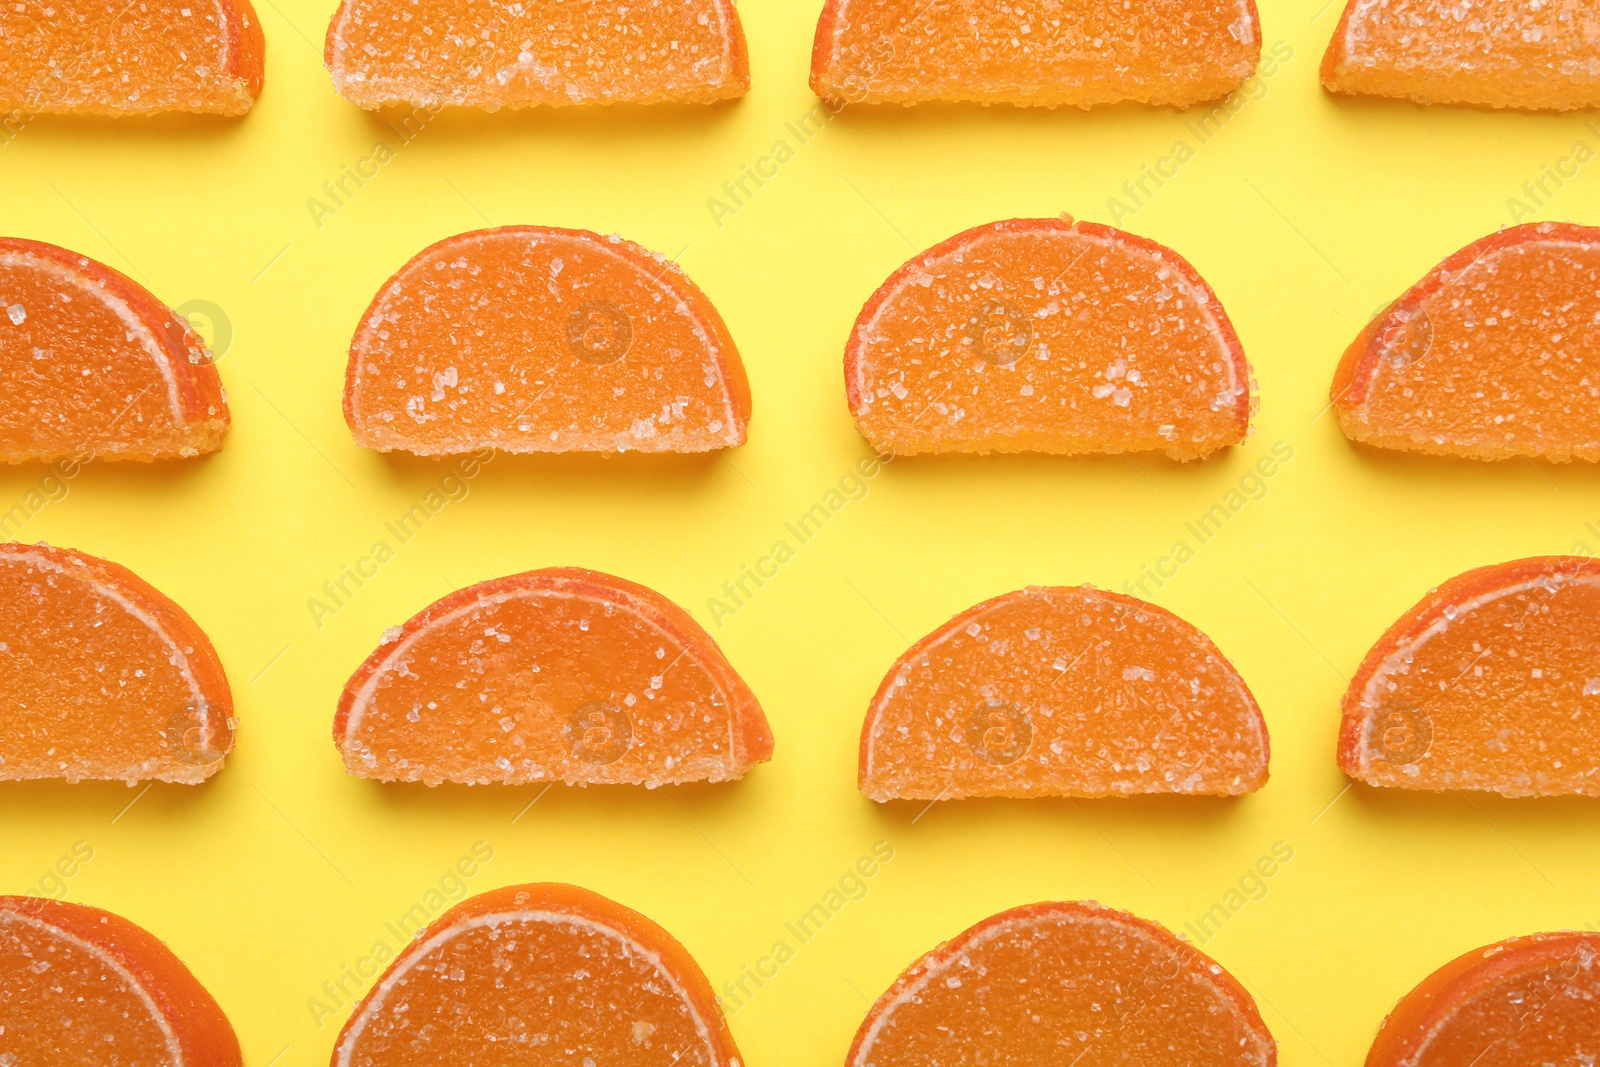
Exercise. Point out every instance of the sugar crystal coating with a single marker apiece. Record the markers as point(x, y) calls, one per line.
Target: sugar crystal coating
point(1067, 983)
point(102, 677)
point(1493, 355)
point(531, 339)
point(109, 57)
point(93, 366)
point(1491, 683)
point(1525, 1000)
point(1046, 335)
point(1543, 55)
point(82, 986)
point(525, 973)
point(1042, 53)
point(494, 53)
point(1062, 692)
point(556, 675)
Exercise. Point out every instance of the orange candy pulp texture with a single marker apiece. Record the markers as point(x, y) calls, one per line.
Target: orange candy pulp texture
point(561, 674)
point(1043, 335)
point(93, 366)
point(480, 53)
point(1500, 53)
point(1067, 983)
point(1062, 692)
point(1490, 683)
point(1043, 53)
point(530, 339)
point(1524, 1001)
point(119, 58)
point(504, 978)
point(1493, 355)
point(82, 986)
point(103, 677)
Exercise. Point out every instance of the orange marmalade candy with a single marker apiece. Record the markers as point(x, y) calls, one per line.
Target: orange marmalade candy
point(1492, 355)
point(1062, 692)
point(1064, 983)
point(1490, 683)
point(561, 674)
point(1499, 53)
point(111, 57)
point(541, 973)
point(103, 677)
point(531, 339)
point(80, 987)
point(1044, 335)
point(479, 53)
point(92, 364)
point(1041, 53)
point(1523, 1002)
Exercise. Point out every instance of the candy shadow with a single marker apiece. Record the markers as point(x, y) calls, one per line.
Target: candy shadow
point(526, 805)
point(880, 120)
point(101, 805)
point(1452, 473)
point(572, 475)
point(1166, 813)
point(582, 125)
point(1424, 810)
point(147, 131)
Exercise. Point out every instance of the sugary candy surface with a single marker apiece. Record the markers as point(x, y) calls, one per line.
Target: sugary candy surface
point(493, 54)
point(1067, 983)
point(539, 974)
point(80, 986)
point(1526, 1000)
point(1493, 355)
point(1043, 335)
point(1039, 53)
point(93, 366)
point(1491, 683)
point(111, 57)
point(102, 677)
point(1062, 692)
point(529, 339)
point(1498, 53)
point(562, 674)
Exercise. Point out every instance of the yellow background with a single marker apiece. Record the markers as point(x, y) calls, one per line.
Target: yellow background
point(1305, 213)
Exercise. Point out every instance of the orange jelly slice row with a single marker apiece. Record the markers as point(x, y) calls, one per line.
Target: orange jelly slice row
point(102, 677)
point(84, 987)
point(1499, 53)
point(532, 339)
point(93, 365)
point(1524, 1001)
point(562, 674)
point(1067, 983)
point(536, 974)
point(1042, 53)
point(476, 53)
point(1062, 692)
point(1490, 683)
point(109, 57)
point(1044, 335)
point(1490, 356)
